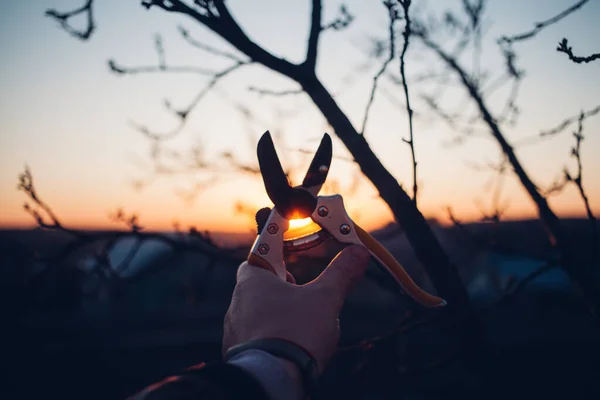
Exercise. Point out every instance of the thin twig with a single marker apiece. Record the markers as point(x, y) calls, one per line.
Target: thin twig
point(411, 140)
point(563, 47)
point(541, 25)
point(26, 185)
point(275, 93)
point(201, 244)
point(549, 133)
point(183, 113)
point(342, 21)
point(393, 16)
point(63, 19)
point(522, 284)
point(209, 49)
point(578, 181)
point(160, 67)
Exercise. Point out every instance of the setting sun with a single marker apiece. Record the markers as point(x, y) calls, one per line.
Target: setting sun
point(299, 223)
point(301, 227)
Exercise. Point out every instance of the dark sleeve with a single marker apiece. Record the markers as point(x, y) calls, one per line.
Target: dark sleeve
point(215, 381)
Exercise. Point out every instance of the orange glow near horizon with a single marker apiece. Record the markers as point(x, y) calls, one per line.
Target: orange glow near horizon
point(301, 227)
point(299, 223)
point(72, 129)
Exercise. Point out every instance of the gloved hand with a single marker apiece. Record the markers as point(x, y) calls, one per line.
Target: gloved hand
point(264, 306)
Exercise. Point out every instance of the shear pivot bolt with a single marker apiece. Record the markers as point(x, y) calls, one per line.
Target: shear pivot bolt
point(272, 229)
point(263, 249)
point(323, 211)
point(344, 229)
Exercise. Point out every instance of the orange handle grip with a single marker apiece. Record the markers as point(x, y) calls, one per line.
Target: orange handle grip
point(405, 281)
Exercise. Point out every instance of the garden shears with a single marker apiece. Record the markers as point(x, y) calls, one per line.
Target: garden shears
point(328, 212)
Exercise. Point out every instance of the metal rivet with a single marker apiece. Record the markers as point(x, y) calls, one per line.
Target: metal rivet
point(263, 249)
point(323, 169)
point(272, 229)
point(344, 229)
point(323, 211)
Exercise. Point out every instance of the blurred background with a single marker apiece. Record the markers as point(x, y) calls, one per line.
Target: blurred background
point(129, 184)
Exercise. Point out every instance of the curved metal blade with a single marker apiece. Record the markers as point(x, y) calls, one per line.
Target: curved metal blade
point(290, 202)
point(319, 167)
point(276, 183)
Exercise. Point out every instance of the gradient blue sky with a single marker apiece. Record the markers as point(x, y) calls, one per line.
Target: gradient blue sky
point(66, 115)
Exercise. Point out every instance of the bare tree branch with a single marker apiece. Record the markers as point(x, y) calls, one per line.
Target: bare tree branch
point(275, 93)
point(549, 133)
point(579, 274)
point(538, 26)
point(209, 49)
point(160, 67)
point(201, 243)
point(341, 22)
point(578, 181)
point(183, 113)
point(393, 17)
point(563, 47)
point(517, 288)
point(63, 19)
point(411, 141)
point(26, 186)
point(313, 38)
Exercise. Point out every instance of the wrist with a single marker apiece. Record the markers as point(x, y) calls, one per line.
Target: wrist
point(295, 375)
point(304, 364)
point(281, 378)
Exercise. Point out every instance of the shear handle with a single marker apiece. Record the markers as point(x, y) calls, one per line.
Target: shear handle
point(267, 250)
point(331, 215)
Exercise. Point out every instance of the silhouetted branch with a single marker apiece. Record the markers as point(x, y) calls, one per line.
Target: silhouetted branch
point(578, 181)
point(191, 194)
point(517, 287)
point(131, 221)
point(541, 25)
point(341, 22)
point(565, 124)
point(160, 67)
point(495, 185)
point(26, 186)
point(411, 140)
point(183, 113)
point(312, 153)
point(558, 184)
point(476, 240)
point(580, 275)
point(209, 49)
point(563, 47)
point(393, 17)
point(63, 19)
point(558, 129)
point(313, 38)
point(200, 244)
point(276, 93)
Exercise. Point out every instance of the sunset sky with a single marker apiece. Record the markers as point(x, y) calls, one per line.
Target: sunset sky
point(67, 116)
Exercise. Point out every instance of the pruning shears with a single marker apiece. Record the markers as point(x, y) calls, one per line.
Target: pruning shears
point(328, 212)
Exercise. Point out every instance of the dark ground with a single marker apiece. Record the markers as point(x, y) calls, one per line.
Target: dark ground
point(62, 341)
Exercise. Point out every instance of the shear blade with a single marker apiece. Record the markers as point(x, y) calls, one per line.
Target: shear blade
point(290, 202)
point(319, 167)
point(276, 182)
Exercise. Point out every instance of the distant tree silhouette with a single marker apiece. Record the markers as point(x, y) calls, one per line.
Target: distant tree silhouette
point(582, 271)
